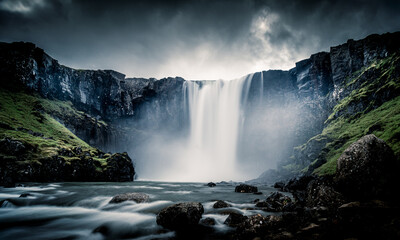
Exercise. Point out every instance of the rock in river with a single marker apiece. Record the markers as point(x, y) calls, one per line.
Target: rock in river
point(244, 188)
point(211, 184)
point(136, 197)
point(181, 215)
point(221, 204)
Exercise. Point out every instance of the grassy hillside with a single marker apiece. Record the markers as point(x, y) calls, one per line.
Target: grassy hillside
point(384, 122)
point(49, 148)
point(26, 118)
point(372, 107)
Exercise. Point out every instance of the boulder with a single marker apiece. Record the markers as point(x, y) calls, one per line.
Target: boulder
point(120, 168)
point(234, 219)
point(275, 202)
point(244, 188)
point(24, 195)
point(367, 169)
point(278, 200)
point(257, 225)
point(211, 184)
point(221, 204)
point(279, 185)
point(208, 221)
point(12, 147)
point(136, 197)
point(320, 193)
point(180, 216)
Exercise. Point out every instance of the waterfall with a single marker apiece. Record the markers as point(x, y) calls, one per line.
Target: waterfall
point(215, 117)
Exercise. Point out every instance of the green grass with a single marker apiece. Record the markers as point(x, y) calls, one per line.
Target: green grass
point(343, 129)
point(384, 122)
point(20, 110)
point(386, 81)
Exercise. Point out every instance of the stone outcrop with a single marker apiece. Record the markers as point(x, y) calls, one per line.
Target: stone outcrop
point(136, 197)
point(180, 216)
point(313, 87)
point(67, 165)
point(244, 188)
point(221, 204)
point(367, 169)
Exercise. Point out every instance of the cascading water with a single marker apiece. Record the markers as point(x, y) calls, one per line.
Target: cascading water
point(215, 116)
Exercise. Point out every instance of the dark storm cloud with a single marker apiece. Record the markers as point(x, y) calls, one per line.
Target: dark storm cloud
point(193, 39)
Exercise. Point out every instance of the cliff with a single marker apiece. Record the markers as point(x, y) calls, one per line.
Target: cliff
point(329, 93)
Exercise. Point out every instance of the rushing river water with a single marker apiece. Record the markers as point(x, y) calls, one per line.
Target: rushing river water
point(75, 210)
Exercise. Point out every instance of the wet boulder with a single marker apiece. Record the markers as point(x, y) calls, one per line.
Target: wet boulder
point(13, 147)
point(136, 197)
point(208, 221)
point(257, 225)
point(234, 219)
point(320, 193)
point(244, 188)
point(120, 168)
point(180, 216)
point(211, 184)
point(367, 169)
point(221, 204)
point(275, 202)
point(279, 185)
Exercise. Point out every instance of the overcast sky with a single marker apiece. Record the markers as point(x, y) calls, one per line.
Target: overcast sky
point(191, 39)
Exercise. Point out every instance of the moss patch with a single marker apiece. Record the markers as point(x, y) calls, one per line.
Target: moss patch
point(384, 122)
point(25, 118)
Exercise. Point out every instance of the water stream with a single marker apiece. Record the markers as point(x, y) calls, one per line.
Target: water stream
point(75, 210)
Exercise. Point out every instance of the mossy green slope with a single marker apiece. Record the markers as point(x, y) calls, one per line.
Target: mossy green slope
point(376, 89)
point(51, 151)
point(26, 118)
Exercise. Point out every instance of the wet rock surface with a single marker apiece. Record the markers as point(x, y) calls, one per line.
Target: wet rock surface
point(180, 216)
point(244, 188)
point(234, 219)
point(211, 184)
point(221, 204)
point(367, 169)
point(136, 197)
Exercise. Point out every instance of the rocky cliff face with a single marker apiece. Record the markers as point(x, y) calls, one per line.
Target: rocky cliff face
point(315, 88)
point(102, 94)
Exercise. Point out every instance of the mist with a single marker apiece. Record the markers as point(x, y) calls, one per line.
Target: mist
point(220, 131)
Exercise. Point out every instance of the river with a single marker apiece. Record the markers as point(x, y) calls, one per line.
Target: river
point(75, 210)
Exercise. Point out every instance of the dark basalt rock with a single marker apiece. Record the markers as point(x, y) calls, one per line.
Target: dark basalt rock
point(279, 185)
point(13, 147)
point(136, 197)
point(234, 219)
point(369, 220)
point(24, 195)
point(208, 221)
point(57, 168)
point(221, 204)
point(320, 193)
point(257, 225)
point(104, 230)
point(211, 184)
point(367, 169)
point(244, 188)
point(180, 216)
point(120, 168)
point(275, 202)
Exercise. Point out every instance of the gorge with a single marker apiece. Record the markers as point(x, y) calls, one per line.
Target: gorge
point(308, 153)
point(216, 130)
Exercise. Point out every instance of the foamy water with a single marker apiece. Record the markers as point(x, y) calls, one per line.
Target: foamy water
point(75, 210)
